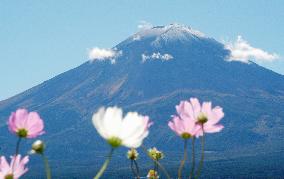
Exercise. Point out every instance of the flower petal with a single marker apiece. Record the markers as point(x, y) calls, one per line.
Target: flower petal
point(113, 121)
point(196, 107)
point(98, 122)
point(135, 129)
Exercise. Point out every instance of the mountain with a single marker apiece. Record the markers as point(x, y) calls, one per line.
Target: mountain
point(156, 69)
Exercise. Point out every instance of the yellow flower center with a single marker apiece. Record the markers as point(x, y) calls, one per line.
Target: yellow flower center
point(202, 118)
point(9, 176)
point(114, 142)
point(185, 135)
point(22, 133)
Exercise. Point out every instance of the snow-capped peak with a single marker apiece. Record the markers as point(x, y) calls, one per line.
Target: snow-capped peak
point(172, 31)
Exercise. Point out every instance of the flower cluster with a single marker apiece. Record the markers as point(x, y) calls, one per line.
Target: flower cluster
point(28, 125)
point(194, 119)
point(191, 121)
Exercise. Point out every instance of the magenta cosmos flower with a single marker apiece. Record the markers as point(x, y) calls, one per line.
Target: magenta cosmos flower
point(182, 124)
point(15, 169)
point(205, 117)
point(25, 124)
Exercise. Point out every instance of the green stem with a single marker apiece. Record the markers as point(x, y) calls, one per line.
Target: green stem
point(137, 169)
point(202, 156)
point(18, 146)
point(103, 168)
point(46, 166)
point(192, 158)
point(17, 151)
point(183, 160)
point(158, 163)
point(156, 166)
point(132, 169)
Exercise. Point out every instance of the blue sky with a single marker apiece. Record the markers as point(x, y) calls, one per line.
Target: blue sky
point(41, 39)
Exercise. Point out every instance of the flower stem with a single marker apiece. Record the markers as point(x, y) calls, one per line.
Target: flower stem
point(136, 170)
point(18, 146)
point(156, 166)
point(192, 158)
point(157, 163)
point(103, 168)
point(202, 156)
point(46, 166)
point(17, 151)
point(183, 160)
point(132, 169)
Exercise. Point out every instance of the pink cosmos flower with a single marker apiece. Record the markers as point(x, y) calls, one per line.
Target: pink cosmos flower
point(15, 169)
point(205, 117)
point(183, 126)
point(25, 124)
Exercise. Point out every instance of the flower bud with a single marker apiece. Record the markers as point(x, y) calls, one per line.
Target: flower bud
point(155, 154)
point(38, 147)
point(152, 174)
point(132, 154)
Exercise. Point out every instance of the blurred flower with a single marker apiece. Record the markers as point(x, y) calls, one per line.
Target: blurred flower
point(15, 169)
point(155, 154)
point(128, 131)
point(152, 174)
point(204, 116)
point(38, 147)
point(132, 154)
point(25, 124)
point(184, 127)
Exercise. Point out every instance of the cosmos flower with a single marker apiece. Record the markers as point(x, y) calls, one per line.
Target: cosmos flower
point(15, 169)
point(25, 124)
point(205, 117)
point(128, 131)
point(184, 127)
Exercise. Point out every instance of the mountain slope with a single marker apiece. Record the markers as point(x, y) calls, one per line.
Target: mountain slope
point(158, 68)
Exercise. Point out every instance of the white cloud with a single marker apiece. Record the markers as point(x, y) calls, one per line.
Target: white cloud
point(102, 54)
point(143, 25)
point(242, 51)
point(157, 56)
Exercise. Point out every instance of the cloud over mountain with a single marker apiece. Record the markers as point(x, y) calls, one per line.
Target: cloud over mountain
point(242, 51)
point(102, 54)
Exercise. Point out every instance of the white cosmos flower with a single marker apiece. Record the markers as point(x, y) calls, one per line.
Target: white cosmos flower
point(118, 130)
